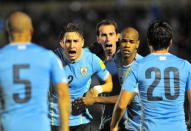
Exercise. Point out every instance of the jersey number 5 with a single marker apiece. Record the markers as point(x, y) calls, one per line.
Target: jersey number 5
point(16, 80)
point(167, 87)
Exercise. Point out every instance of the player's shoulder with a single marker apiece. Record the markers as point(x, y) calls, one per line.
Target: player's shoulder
point(46, 53)
point(5, 48)
point(138, 56)
point(88, 54)
point(58, 50)
point(42, 49)
point(157, 58)
point(152, 57)
point(178, 59)
point(38, 47)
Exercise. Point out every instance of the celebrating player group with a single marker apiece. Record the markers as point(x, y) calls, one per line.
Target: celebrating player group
point(52, 90)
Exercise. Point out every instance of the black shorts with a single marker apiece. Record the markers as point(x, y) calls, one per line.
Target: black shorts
point(83, 127)
point(123, 129)
point(54, 128)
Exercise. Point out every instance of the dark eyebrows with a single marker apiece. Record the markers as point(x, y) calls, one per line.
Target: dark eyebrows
point(105, 34)
point(127, 40)
point(69, 40)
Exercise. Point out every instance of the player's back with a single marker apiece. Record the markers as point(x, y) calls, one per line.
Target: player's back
point(24, 81)
point(162, 84)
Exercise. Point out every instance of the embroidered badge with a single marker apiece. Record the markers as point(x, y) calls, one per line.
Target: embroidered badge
point(83, 71)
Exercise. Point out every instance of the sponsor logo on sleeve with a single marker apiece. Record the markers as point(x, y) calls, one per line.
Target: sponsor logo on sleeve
point(102, 65)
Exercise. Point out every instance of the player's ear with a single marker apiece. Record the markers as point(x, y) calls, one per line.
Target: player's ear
point(138, 43)
point(82, 42)
point(149, 45)
point(97, 38)
point(170, 43)
point(31, 30)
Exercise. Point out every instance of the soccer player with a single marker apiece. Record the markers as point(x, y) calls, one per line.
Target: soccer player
point(129, 42)
point(80, 64)
point(107, 35)
point(24, 80)
point(162, 80)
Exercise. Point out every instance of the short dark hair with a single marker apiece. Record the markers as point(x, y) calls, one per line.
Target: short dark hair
point(106, 22)
point(159, 34)
point(71, 27)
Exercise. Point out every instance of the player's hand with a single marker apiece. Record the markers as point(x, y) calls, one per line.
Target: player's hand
point(78, 106)
point(114, 129)
point(64, 129)
point(88, 101)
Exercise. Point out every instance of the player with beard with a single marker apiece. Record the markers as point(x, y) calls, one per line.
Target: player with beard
point(129, 43)
point(79, 64)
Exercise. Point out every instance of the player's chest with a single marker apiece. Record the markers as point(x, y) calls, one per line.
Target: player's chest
point(78, 74)
point(123, 73)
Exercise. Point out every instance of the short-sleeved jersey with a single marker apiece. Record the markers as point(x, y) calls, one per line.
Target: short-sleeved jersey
point(118, 73)
point(133, 112)
point(162, 81)
point(25, 73)
point(79, 78)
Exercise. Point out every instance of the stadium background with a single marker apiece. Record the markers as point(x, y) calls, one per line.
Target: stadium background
point(50, 15)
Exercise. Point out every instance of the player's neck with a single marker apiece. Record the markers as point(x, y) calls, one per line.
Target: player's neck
point(128, 60)
point(163, 51)
point(108, 57)
point(20, 38)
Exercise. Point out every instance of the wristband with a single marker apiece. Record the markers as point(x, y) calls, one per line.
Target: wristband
point(98, 88)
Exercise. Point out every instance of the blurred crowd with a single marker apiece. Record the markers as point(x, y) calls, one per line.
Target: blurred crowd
point(49, 17)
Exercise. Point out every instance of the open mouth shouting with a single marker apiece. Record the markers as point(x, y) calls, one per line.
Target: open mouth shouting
point(72, 54)
point(108, 49)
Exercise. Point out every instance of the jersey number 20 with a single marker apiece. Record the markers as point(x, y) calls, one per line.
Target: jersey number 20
point(167, 86)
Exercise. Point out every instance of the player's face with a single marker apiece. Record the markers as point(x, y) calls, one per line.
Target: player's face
point(129, 44)
point(108, 38)
point(72, 45)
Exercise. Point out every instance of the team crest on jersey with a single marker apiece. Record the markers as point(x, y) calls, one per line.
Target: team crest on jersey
point(83, 71)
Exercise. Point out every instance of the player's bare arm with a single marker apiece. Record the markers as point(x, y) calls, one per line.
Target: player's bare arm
point(106, 87)
point(64, 105)
point(124, 99)
point(189, 99)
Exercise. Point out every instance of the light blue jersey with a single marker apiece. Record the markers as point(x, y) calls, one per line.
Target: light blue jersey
point(162, 81)
point(25, 73)
point(133, 113)
point(79, 77)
